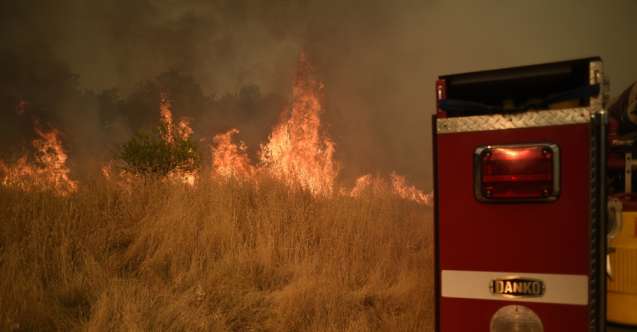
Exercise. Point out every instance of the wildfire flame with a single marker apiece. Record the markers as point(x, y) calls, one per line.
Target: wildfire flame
point(397, 185)
point(409, 192)
point(166, 118)
point(49, 172)
point(229, 159)
point(183, 132)
point(298, 152)
point(182, 128)
point(361, 185)
point(169, 133)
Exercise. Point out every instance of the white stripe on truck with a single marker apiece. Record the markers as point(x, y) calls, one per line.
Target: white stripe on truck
point(559, 288)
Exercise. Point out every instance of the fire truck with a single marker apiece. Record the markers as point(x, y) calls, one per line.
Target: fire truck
point(535, 219)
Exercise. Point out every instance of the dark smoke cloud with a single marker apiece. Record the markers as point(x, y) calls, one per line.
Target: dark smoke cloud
point(95, 68)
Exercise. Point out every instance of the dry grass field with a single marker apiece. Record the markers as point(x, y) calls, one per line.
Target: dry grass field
point(220, 256)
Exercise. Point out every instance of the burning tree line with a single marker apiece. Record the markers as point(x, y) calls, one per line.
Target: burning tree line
point(297, 153)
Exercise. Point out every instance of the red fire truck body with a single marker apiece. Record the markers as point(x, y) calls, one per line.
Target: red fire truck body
point(519, 214)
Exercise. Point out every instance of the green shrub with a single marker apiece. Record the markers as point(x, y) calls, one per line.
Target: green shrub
point(152, 154)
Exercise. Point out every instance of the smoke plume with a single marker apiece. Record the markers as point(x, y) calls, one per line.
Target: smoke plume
point(95, 70)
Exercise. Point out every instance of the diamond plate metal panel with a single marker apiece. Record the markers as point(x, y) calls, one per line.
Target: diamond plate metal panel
point(517, 120)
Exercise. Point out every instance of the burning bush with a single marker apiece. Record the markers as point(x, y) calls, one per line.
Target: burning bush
point(299, 153)
point(148, 154)
point(169, 150)
point(240, 250)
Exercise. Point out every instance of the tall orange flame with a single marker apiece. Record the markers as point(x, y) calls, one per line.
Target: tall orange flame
point(182, 129)
point(169, 133)
point(166, 118)
point(183, 132)
point(298, 152)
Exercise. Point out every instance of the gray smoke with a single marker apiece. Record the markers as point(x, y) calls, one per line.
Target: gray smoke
point(378, 60)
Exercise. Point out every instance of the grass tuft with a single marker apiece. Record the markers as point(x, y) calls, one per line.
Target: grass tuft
point(219, 256)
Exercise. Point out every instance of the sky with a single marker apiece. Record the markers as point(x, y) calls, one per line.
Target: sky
point(378, 59)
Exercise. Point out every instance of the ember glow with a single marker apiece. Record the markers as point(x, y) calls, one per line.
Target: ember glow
point(48, 171)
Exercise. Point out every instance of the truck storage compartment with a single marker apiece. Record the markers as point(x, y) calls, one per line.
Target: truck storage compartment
point(555, 85)
point(520, 199)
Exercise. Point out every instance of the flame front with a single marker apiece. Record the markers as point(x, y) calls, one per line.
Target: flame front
point(409, 192)
point(49, 172)
point(297, 152)
point(362, 184)
point(397, 186)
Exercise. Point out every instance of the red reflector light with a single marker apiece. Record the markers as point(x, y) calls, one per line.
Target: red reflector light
point(517, 172)
point(441, 94)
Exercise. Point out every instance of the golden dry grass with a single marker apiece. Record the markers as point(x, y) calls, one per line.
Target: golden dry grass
point(218, 257)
